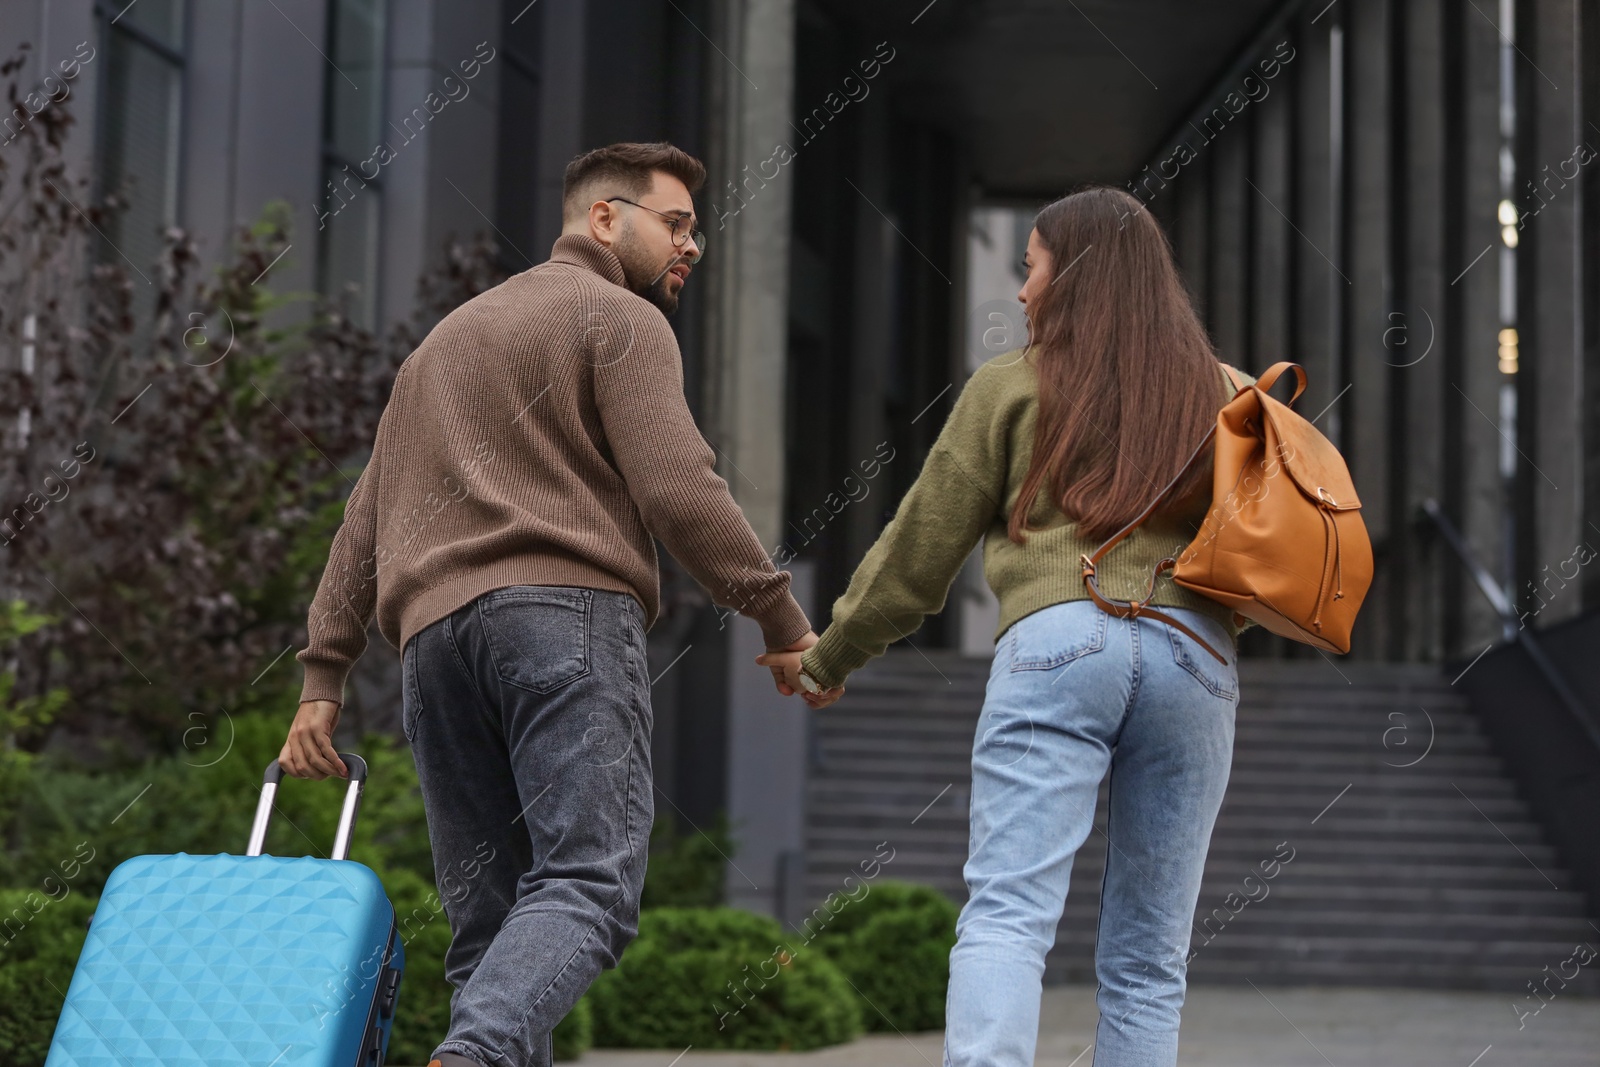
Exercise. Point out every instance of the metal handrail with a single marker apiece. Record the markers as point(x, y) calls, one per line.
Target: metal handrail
point(1511, 624)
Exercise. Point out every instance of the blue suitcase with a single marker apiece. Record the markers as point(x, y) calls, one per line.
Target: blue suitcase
point(229, 961)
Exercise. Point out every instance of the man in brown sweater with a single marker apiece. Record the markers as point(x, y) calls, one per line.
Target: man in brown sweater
point(533, 447)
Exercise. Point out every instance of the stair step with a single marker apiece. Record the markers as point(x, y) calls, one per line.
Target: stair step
point(1232, 943)
point(951, 839)
point(1260, 787)
point(902, 759)
point(1227, 874)
point(1077, 966)
point(1358, 737)
point(1406, 827)
point(852, 804)
point(1381, 897)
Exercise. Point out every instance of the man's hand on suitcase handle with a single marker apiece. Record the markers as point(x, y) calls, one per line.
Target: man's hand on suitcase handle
point(309, 751)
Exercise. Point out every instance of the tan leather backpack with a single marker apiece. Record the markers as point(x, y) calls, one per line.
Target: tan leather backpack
point(1283, 543)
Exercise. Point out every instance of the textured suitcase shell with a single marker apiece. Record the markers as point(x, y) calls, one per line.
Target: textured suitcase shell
point(214, 961)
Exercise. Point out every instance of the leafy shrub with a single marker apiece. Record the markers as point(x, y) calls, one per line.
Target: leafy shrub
point(22, 717)
point(893, 944)
point(720, 978)
point(574, 1035)
point(687, 869)
point(191, 526)
point(40, 938)
point(202, 802)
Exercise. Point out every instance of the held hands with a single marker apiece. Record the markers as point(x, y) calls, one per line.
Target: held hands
point(309, 751)
point(785, 666)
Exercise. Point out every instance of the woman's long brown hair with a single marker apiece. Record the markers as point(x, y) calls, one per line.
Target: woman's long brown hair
point(1128, 378)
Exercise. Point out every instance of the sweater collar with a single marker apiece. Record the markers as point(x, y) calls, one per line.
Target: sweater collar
point(582, 250)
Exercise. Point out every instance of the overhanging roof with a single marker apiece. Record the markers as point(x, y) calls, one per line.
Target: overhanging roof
point(1049, 93)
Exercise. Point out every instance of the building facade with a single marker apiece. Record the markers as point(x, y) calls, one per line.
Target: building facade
point(1396, 195)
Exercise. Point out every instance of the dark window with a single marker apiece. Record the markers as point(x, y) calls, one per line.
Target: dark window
point(517, 186)
point(350, 201)
point(139, 130)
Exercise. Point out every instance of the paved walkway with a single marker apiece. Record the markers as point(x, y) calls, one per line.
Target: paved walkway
point(1240, 1027)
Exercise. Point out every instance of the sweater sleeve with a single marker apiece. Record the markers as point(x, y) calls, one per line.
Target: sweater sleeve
point(906, 574)
point(671, 474)
point(336, 626)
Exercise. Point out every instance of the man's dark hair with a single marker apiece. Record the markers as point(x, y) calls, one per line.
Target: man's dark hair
point(625, 169)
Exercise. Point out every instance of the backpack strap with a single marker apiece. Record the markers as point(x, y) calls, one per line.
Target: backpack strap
point(1132, 608)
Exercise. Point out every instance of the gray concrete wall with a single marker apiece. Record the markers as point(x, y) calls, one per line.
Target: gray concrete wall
point(766, 773)
point(441, 182)
point(745, 354)
point(746, 363)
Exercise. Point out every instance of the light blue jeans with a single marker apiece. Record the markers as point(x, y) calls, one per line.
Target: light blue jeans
point(1074, 691)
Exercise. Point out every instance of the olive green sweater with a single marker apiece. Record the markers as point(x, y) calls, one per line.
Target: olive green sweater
point(965, 491)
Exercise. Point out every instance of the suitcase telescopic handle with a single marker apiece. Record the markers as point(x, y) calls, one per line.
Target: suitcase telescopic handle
point(347, 816)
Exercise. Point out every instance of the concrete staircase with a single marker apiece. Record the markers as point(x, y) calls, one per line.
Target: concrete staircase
point(1411, 860)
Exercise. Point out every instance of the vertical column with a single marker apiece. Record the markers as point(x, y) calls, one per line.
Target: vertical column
point(1315, 249)
point(1555, 145)
point(1588, 296)
point(745, 352)
point(766, 770)
point(1365, 406)
point(1191, 236)
point(1227, 272)
point(877, 247)
point(747, 221)
point(441, 178)
point(1414, 338)
point(1472, 266)
point(563, 71)
point(1271, 265)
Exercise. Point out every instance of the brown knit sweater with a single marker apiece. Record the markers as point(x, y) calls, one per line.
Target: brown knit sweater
point(538, 436)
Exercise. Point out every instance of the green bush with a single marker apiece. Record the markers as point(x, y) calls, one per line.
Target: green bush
point(21, 718)
point(687, 870)
point(720, 978)
point(202, 801)
point(574, 1035)
point(40, 938)
point(893, 945)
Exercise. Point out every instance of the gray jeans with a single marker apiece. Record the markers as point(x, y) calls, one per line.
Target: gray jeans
point(528, 714)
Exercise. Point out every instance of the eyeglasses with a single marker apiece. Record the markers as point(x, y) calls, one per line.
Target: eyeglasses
point(680, 228)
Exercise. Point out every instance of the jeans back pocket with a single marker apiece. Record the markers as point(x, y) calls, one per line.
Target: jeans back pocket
point(538, 636)
point(1221, 679)
point(1057, 635)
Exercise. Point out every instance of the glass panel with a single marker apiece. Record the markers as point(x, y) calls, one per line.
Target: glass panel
point(139, 150)
point(161, 19)
point(517, 204)
point(516, 194)
point(348, 248)
point(355, 89)
point(347, 244)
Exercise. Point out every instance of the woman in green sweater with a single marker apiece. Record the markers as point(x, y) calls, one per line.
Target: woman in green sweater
point(1049, 450)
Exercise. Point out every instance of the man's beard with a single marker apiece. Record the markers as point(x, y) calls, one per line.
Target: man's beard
point(643, 273)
